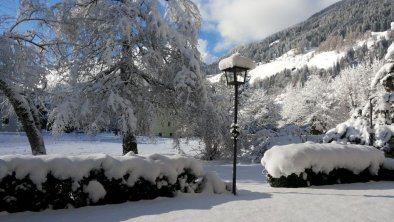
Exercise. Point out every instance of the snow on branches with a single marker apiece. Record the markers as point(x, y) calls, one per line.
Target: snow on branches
point(126, 60)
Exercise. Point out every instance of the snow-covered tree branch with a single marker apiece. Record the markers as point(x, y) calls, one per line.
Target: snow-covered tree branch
point(125, 61)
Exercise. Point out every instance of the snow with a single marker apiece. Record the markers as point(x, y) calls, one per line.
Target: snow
point(255, 199)
point(312, 58)
point(106, 143)
point(296, 158)
point(358, 130)
point(214, 78)
point(286, 61)
point(325, 60)
point(354, 128)
point(388, 67)
point(380, 35)
point(383, 134)
point(78, 167)
point(236, 60)
point(213, 184)
point(388, 164)
point(390, 53)
point(374, 38)
point(274, 43)
point(291, 61)
point(95, 190)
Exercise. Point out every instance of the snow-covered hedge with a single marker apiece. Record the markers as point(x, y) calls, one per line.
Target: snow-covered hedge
point(306, 164)
point(39, 182)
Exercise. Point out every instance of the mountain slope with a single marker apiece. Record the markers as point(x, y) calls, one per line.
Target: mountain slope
point(343, 21)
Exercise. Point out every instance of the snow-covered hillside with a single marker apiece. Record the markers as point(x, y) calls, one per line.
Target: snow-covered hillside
point(292, 61)
point(311, 59)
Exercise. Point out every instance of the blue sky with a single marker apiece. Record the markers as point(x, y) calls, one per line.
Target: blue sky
point(228, 23)
point(8, 7)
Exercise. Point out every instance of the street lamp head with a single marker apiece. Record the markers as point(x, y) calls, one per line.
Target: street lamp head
point(236, 68)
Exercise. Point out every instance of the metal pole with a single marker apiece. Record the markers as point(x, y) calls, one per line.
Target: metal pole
point(370, 112)
point(370, 119)
point(235, 137)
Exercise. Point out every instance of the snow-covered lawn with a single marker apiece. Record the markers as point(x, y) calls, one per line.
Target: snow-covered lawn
point(256, 200)
point(78, 143)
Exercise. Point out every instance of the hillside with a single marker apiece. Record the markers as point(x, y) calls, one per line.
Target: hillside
point(300, 65)
point(339, 24)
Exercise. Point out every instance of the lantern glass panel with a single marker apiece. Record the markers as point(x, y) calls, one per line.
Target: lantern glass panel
point(230, 77)
point(241, 77)
point(236, 76)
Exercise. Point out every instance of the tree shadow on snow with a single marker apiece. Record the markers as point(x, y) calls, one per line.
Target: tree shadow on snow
point(129, 210)
point(379, 196)
point(372, 185)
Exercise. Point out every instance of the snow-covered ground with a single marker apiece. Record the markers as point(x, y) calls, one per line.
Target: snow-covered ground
point(78, 143)
point(256, 200)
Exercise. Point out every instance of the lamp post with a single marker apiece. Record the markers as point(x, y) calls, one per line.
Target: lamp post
point(235, 69)
point(372, 133)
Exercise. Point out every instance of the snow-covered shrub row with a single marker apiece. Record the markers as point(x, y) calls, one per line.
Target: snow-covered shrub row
point(308, 164)
point(39, 182)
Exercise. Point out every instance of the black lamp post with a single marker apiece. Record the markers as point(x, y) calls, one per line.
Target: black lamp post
point(235, 69)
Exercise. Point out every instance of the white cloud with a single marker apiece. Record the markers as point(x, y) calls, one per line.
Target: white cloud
point(206, 56)
point(242, 21)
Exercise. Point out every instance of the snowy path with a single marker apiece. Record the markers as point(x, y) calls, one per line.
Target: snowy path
point(256, 200)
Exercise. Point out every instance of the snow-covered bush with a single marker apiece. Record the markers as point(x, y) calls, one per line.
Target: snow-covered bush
point(37, 183)
point(374, 127)
point(308, 164)
point(354, 130)
point(259, 142)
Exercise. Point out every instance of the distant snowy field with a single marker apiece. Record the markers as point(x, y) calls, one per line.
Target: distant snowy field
point(256, 200)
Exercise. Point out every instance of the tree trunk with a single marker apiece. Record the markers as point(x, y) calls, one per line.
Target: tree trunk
point(25, 113)
point(129, 143)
